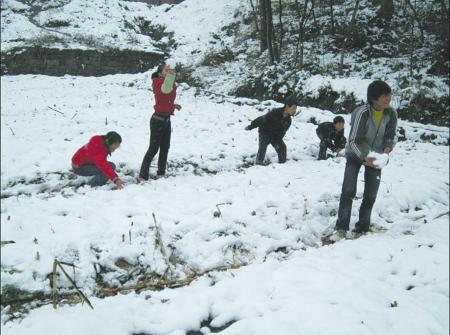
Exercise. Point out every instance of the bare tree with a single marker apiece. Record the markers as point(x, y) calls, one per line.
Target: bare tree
point(332, 16)
point(263, 31)
point(280, 15)
point(303, 15)
point(255, 16)
point(348, 33)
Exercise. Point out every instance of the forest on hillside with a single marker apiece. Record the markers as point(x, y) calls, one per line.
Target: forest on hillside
point(404, 42)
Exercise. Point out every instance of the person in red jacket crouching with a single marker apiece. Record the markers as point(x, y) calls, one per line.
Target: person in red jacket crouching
point(165, 92)
point(90, 160)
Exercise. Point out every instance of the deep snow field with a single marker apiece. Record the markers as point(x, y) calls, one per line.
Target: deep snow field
point(213, 209)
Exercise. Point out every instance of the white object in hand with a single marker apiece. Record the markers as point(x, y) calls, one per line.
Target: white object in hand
point(380, 161)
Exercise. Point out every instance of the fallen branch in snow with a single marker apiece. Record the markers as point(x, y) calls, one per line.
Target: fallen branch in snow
point(441, 215)
point(161, 284)
point(56, 110)
point(3, 243)
point(12, 131)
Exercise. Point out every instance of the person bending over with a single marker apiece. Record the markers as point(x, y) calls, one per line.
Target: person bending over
point(272, 127)
point(91, 160)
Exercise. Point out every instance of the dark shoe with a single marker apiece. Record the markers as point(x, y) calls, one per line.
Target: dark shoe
point(357, 233)
point(337, 235)
point(142, 177)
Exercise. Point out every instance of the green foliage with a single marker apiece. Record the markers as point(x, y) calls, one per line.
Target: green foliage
point(216, 58)
point(185, 75)
point(164, 39)
point(55, 23)
point(426, 108)
point(46, 40)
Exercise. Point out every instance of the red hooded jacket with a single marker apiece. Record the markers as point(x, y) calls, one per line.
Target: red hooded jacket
point(95, 152)
point(164, 103)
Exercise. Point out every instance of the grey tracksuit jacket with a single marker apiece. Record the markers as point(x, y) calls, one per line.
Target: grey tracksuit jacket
point(365, 136)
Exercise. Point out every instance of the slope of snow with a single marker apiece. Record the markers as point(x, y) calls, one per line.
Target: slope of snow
point(271, 217)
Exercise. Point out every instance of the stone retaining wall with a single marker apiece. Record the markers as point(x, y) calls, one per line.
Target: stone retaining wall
point(58, 62)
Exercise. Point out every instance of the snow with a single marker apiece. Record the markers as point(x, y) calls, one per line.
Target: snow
point(214, 209)
point(95, 24)
point(194, 23)
point(347, 288)
point(381, 160)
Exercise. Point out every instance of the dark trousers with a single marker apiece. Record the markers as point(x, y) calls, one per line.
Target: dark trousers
point(372, 178)
point(325, 143)
point(160, 130)
point(276, 141)
point(87, 170)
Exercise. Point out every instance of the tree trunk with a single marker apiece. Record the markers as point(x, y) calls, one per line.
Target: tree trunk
point(263, 30)
point(280, 13)
point(352, 23)
point(267, 11)
point(332, 16)
point(255, 17)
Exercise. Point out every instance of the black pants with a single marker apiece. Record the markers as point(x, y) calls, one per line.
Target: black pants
point(372, 178)
point(160, 130)
point(276, 141)
point(323, 146)
point(325, 143)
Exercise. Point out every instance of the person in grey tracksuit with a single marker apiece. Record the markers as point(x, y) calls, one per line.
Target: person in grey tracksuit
point(373, 128)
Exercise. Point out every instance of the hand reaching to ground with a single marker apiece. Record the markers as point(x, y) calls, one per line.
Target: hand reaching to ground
point(119, 183)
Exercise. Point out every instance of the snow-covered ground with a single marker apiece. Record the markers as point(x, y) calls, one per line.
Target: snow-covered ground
point(214, 209)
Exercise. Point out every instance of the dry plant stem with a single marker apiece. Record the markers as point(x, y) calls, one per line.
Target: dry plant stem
point(54, 283)
point(161, 247)
point(82, 296)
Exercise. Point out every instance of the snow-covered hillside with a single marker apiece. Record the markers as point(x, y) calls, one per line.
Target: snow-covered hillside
point(116, 25)
point(214, 209)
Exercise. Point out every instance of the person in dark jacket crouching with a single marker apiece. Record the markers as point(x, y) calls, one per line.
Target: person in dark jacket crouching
point(372, 137)
point(272, 128)
point(90, 159)
point(331, 136)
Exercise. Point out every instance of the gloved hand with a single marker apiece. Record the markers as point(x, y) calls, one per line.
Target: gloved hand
point(248, 128)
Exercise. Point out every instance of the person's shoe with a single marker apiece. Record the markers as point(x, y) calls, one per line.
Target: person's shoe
point(357, 233)
point(141, 179)
point(337, 235)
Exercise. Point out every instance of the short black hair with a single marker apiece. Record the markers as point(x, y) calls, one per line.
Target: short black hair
point(291, 100)
point(338, 119)
point(112, 137)
point(158, 71)
point(376, 89)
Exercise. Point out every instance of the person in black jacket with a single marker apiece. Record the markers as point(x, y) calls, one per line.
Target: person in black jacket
point(331, 136)
point(272, 128)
